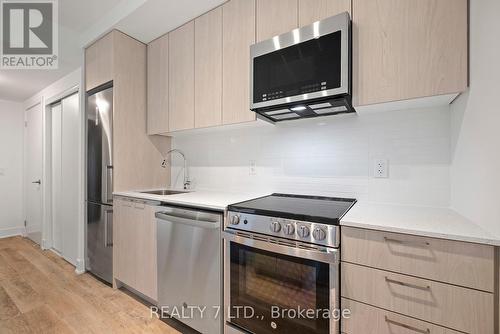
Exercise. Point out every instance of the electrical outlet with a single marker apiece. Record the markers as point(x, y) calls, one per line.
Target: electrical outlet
point(253, 167)
point(381, 168)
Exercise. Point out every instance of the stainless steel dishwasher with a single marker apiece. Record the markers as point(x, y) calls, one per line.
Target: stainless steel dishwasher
point(189, 267)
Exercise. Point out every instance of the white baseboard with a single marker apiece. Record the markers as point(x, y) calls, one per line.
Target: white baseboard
point(45, 245)
point(80, 267)
point(10, 232)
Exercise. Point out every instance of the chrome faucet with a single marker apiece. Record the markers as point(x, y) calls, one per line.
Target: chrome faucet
point(187, 182)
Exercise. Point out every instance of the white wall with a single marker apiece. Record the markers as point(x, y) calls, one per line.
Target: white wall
point(11, 168)
point(476, 124)
point(329, 156)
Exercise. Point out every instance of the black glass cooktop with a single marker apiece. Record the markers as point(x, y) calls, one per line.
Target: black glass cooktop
point(327, 210)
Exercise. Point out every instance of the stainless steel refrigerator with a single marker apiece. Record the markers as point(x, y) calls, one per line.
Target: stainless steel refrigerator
point(99, 260)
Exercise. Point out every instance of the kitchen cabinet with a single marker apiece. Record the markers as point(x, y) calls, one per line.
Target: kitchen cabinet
point(157, 86)
point(450, 284)
point(366, 319)
point(459, 308)
point(238, 33)
point(408, 49)
point(99, 62)
point(275, 17)
point(181, 78)
point(453, 262)
point(133, 149)
point(208, 69)
point(134, 245)
point(315, 10)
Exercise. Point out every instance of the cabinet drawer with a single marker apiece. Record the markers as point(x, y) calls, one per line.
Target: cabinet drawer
point(460, 263)
point(367, 319)
point(443, 304)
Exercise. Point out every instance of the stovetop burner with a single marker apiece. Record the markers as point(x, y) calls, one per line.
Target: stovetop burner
point(317, 209)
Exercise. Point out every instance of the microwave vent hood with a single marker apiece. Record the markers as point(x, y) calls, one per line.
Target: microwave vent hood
point(303, 73)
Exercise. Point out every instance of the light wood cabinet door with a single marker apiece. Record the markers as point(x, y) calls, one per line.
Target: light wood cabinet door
point(134, 246)
point(208, 69)
point(404, 49)
point(144, 245)
point(365, 319)
point(460, 263)
point(462, 309)
point(99, 62)
point(123, 234)
point(181, 78)
point(275, 17)
point(133, 149)
point(315, 10)
point(158, 86)
point(238, 33)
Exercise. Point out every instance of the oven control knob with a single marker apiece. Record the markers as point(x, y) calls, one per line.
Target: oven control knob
point(289, 229)
point(235, 220)
point(319, 234)
point(275, 227)
point(303, 231)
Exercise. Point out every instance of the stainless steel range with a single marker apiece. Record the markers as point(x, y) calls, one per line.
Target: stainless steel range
point(281, 264)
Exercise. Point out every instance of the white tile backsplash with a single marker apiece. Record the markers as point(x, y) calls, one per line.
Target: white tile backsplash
point(329, 156)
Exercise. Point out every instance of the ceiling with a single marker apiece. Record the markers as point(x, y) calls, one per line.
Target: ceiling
point(82, 22)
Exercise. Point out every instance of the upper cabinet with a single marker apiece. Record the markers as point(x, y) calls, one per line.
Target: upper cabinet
point(275, 17)
point(408, 49)
point(181, 78)
point(238, 33)
point(158, 86)
point(199, 74)
point(122, 59)
point(99, 62)
point(315, 10)
point(208, 69)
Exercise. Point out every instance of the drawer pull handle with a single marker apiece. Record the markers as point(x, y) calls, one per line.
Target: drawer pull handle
point(389, 280)
point(396, 323)
point(406, 242)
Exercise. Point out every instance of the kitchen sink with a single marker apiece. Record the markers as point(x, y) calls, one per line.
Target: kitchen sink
point(163, 192)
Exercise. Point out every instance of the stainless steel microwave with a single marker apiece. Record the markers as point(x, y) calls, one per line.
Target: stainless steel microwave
point(303, 73)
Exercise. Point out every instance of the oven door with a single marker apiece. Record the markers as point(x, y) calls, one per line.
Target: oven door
point(277, 288)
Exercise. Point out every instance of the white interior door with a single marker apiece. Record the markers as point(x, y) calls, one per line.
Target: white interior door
point(56, 139)
point(33, 173)
point(65, 166)
point(70, 162)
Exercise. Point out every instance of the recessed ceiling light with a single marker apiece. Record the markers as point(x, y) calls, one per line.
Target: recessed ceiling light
point(298, 108)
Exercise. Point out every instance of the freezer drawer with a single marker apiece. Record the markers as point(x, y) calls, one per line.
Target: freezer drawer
point(100, 240)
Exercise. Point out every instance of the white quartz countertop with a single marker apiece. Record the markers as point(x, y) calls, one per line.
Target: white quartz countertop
point(441, 223)
point(205, 199)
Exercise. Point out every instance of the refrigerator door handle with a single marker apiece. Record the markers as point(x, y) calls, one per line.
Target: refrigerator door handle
point(106, 221)
point(109, 183)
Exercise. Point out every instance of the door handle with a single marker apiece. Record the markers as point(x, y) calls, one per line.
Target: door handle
point(106, 242)
point(415, 329)
point(409, 285)
point(186, 221)
point(39, 182)
point(109, 183)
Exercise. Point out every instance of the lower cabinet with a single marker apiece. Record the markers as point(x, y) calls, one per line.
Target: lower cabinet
point(134, 246)
point(366, 319)
point(399, 283)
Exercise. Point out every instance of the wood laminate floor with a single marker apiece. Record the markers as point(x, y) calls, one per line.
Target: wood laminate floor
point(40, 293)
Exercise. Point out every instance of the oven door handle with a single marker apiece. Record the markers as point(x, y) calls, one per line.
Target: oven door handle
point(322, 254)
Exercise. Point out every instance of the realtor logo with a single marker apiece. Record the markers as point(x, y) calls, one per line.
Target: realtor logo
point(29, 34)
